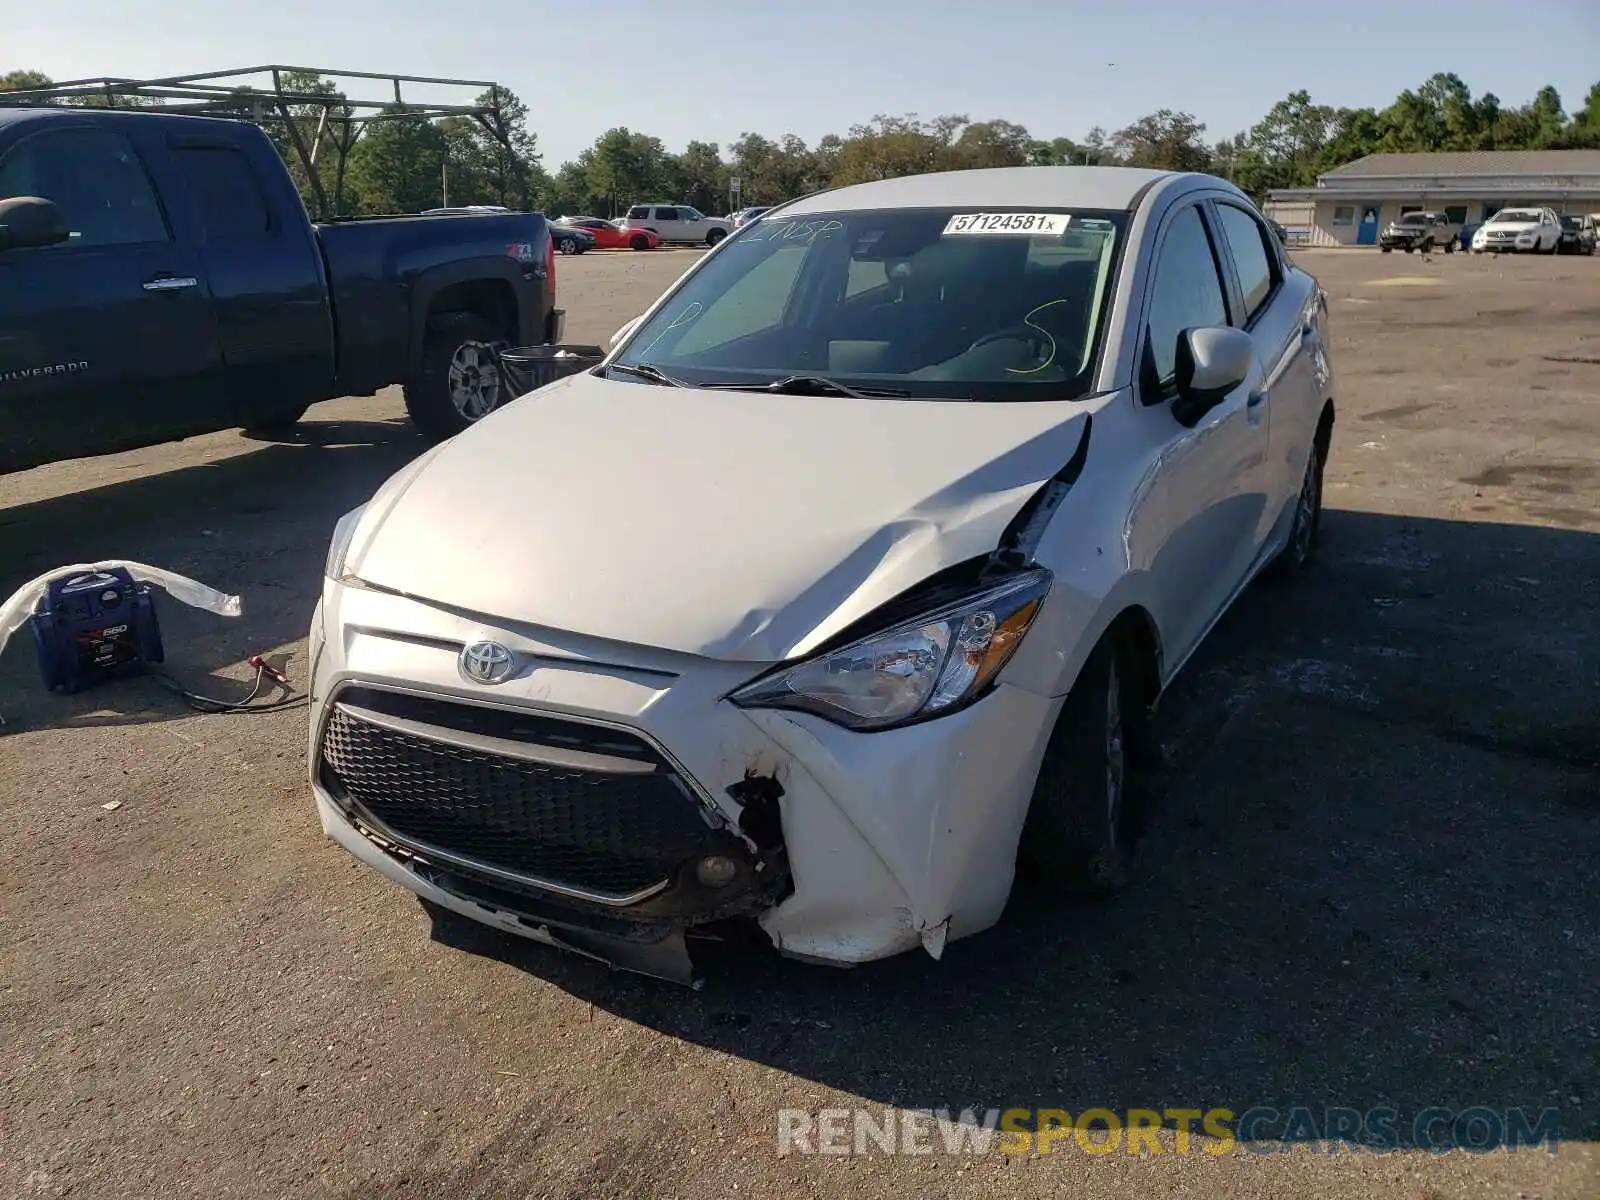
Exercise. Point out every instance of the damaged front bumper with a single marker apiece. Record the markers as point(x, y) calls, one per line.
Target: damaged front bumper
point(580, 803)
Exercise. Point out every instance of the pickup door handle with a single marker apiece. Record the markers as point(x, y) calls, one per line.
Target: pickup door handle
point(171, 283)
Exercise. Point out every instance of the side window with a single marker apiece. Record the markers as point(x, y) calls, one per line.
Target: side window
point(756, 302)
point(1253, 259)
point(639, 212)
point(1186, 292)
point(95, 178)
point(666, 214)
point(225, 191)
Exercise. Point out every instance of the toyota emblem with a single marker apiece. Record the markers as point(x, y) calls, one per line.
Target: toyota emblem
point(486, 662)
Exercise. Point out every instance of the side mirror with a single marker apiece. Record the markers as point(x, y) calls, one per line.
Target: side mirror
point(1210, 363)
point(31, 221)
point(625, 330)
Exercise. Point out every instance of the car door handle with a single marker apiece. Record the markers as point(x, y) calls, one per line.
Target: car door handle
point(171, 283)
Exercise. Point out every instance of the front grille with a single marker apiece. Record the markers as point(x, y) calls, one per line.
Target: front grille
point(610, 835)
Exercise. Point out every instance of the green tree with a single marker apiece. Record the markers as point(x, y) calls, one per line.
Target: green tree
point(1166, 140)
point(23, 81)
point(626, 168)
point(398, 165)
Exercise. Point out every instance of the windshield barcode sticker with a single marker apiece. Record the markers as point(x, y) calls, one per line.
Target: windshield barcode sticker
point(1027, 224)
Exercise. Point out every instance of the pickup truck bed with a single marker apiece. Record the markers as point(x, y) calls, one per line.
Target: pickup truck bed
point(194, 293)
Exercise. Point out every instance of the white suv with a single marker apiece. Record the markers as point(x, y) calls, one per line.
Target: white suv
point(678, 223)
point(1528, 230)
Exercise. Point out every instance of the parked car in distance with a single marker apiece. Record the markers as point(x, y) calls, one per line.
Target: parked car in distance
point(465, 210)
point(1065, 460)
point(1420, 231)
point(1519, 230)
point(159, 278)
point(1577, 236)
point(745, 215)
point(572, 239)
point(678, 223)
point(608, 235)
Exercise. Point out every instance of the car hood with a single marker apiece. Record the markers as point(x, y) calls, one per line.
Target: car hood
point(1509, 226)
point(735, 525)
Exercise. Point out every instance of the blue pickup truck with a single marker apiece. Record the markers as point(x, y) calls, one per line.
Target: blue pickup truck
point(160, 278)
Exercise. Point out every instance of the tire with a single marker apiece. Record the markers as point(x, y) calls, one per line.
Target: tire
point(713, 236)
point(1087, 809)
point(639, 242)
point(1409, 249)
point(568, 246)
point(440, 408)
point(1300, 548)
point(280, 425)
point(1427, 246)
point(1387, 249)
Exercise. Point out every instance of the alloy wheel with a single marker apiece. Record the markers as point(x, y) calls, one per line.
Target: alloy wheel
point(474, 380)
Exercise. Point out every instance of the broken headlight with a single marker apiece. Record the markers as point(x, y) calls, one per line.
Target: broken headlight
point(916, 670)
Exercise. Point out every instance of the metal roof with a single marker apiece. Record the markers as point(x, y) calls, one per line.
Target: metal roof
point(1110, 188)
point(1470, 162)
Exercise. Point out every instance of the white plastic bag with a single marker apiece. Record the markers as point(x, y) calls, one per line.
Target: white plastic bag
point(24, 602)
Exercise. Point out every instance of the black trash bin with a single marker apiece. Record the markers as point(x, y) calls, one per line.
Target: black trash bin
point(526, 368)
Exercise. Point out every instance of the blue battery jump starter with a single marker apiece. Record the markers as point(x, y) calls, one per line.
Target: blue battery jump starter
point(95, 627)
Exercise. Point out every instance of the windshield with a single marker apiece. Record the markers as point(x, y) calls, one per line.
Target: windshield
point(1571, 223)
point(1516, 214)
point(1413, 219)
point(917, 302)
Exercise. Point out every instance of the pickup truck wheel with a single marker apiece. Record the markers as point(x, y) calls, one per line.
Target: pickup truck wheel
point(714, 236)
point(1086, 811)
point(639, 242)
point(1387, 249)
point(459, 383)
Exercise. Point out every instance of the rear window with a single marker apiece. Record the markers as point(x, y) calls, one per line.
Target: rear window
point(638, 212)
point(930, 302)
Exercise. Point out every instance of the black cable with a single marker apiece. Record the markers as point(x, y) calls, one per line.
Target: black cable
point(210, 704)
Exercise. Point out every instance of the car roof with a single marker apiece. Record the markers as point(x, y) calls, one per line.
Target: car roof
point(16, 114)
point(1002, 187)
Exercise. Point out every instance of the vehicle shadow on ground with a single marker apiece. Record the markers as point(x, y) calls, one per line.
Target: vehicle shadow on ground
point(255, 524)
point(1369, 883)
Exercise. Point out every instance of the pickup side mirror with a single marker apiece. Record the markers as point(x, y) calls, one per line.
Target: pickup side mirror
point(1210, 363)
point(625, 330)
point(31, 221)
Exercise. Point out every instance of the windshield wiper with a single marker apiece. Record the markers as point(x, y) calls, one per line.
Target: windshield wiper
point(807, 385)
point(821, 385)
point(647, 371)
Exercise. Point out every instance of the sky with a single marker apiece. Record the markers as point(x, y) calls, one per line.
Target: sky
point(713, 69)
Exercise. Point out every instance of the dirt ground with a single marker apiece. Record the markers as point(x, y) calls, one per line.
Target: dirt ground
point(1372, 880)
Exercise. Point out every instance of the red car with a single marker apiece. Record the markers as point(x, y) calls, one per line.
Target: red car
point(608, 237)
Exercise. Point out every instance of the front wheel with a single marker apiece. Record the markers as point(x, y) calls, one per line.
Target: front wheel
point(1086, 812)
point(1301, 547)
point(639, 242)
point(714, 236)
point(459, 382)
point(1387, 249)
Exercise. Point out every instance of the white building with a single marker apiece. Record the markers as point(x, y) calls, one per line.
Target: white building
point(1351, 204)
